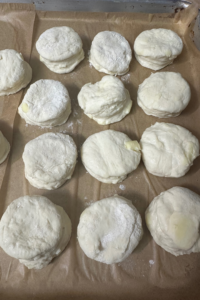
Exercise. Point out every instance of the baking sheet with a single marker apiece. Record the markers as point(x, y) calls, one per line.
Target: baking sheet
point(149, 272)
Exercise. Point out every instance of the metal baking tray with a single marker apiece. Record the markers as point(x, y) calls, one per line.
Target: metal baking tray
point(156, 6)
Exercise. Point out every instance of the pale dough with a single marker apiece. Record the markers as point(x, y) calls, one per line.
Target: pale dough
point(34, 230)
point(49, 160)
point(60, 49)
point(15, 73)
point(173, 219)
point(168, 150)
point(110, 53)
point(46, 103)
point(110, 156)
point(164, 94)
point(157, 48)
point(109, 230)
point(64, 66)
point(4, 148)
point(106, 101)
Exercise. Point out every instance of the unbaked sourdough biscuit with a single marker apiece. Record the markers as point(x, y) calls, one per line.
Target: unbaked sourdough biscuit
point(46, 103)
point(4, 148)
point(109, 230)
point(173, 219)
point(110, 53)
point(15, 73)
point(109, 156)
point(164, 94)
point(157, 48)
point(34, 230)
point(106, 101)
point(49, 160)
point(168, 150)
point(60, 49)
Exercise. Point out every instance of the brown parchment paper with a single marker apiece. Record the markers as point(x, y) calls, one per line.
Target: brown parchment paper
point(149, 272)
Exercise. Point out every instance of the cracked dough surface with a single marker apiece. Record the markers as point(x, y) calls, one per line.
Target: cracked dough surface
point(110, 53)
point(164, 94)
point(110, 229)
point(46, 103)
point(168, 150)
point(157, 48)
point(173, 219)
point(60, 49)
point(15, 73)
point(34, 230)
point(107, 156)
point(4, 148)
point(106, 101)
point(49, 160)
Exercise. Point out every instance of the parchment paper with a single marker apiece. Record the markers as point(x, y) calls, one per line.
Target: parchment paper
point(149, 272)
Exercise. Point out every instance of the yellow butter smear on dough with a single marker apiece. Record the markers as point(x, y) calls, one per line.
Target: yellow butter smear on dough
point(148, 220)
point(168, 53)
point(133, 145)
point(25, 107)
point(183, 229)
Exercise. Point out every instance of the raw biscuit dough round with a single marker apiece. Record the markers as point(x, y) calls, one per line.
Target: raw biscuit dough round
point(34, 230)
point(60, 49)
point(168, 150)
point(164, 94)
point(157, 48)
point(15, 73)
point(173, 219)
point(49, 160)
point(4, 148)
point(46, 103)
point(109, 156)
point(106, 101)
point(64, 66)
point(110, 53)
point(109, 230)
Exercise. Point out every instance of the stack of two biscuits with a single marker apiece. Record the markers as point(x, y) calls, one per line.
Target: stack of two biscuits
point(60, 49)
point(157, 48)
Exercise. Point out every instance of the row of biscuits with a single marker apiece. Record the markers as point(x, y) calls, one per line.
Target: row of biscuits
point(168, 150)
point(108, 156)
